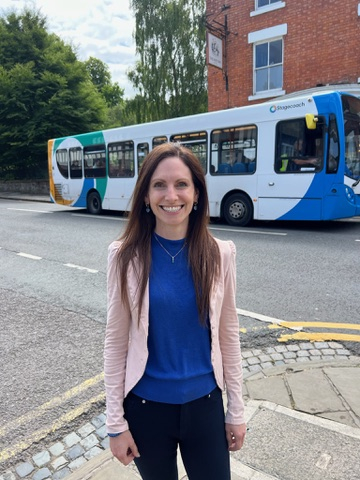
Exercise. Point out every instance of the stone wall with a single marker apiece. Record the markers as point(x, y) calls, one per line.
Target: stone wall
point(40, 187)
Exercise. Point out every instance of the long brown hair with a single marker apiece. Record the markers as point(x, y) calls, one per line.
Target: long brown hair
point(203, 251)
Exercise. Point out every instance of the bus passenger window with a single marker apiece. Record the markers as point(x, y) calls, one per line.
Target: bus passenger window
point(75, 155)
point(158, 141)
point(233, 150)
point(142, 151)
point(197, 142)
point(62, 162)
point(95, 161)
point(121, 159)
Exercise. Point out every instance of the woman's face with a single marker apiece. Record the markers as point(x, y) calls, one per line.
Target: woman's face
point(171, 196)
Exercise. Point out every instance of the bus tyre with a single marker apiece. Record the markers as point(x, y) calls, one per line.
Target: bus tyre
point(93, 203)
point(238, 210)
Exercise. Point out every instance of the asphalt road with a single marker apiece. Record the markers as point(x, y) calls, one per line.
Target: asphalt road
point(53, 302)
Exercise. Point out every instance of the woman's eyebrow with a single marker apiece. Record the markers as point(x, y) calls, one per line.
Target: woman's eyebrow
point(181, 179)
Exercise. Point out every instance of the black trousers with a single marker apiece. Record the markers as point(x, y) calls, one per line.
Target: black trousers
point(197, 427)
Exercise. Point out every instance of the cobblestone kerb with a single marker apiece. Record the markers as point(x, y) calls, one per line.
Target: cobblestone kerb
point(78, 447)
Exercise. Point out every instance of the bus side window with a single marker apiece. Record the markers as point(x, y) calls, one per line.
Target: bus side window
point(158, 141)
point(195, 141)
point(76, 156)
point(234, 150)
point(142, 151)
point(62, 162)
point(121, 159)
point(95, 161)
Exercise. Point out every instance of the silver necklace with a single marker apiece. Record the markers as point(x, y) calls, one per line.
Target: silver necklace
point(172, 256)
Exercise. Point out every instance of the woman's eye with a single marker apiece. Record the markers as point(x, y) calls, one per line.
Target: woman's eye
point(182, 184)
point(158, 185)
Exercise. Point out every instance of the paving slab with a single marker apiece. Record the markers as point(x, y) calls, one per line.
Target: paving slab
point(104, 467)
point(348, 385)
point(342, 416)
point(239, 471)
point(312, 392)
point(272, 389)
point(114, 471)
point(289, 448)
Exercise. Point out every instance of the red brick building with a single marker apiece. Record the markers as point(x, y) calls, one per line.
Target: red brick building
point(275, 47)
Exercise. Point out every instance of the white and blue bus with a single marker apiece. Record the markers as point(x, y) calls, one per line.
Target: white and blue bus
point(296, 158)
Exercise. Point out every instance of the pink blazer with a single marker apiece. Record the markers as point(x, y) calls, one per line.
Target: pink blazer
point(126, 353)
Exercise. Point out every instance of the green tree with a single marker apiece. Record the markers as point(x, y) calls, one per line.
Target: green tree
point(45, 92)
point(100, 76)
point(129, 112)
point(170, 41)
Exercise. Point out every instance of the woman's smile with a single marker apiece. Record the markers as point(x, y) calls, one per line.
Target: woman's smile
point(174, 209)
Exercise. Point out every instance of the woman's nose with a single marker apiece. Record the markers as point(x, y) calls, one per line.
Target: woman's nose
point(171, 193)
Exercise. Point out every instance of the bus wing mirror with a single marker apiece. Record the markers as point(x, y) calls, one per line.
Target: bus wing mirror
point(311, 121)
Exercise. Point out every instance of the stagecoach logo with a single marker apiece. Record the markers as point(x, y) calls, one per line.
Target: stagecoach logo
point(276, 108)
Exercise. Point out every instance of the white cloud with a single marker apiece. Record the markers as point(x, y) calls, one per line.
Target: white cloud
point(97, 28)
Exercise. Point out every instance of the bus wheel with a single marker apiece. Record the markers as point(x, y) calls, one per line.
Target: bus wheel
point(93, 203)
point(238, 210)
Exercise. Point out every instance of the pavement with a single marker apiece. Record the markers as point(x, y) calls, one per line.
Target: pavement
point(302, 409)
point(303, 420)
point(36, 197)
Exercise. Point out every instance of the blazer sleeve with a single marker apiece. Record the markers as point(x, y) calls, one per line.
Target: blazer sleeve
point(116, 347)
point(229, 338)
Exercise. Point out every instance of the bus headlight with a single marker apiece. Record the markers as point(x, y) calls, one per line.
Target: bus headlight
point(350, 194)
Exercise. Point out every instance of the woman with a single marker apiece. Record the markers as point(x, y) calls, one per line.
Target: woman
point(172, 337)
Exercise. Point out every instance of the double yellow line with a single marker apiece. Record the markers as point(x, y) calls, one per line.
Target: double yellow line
point(62, 421)
point(298, 327)
point(319, 336)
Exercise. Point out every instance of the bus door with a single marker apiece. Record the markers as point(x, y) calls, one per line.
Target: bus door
point(292, 188)
point(351, 111)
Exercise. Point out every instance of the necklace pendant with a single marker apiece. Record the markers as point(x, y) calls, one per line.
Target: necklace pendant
point(171, 256)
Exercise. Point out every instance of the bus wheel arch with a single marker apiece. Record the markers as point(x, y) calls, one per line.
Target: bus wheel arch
point(237, 209)
point(93, 202)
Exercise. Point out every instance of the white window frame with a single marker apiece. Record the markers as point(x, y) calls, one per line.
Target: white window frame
point(267, 8)
point(267, 35)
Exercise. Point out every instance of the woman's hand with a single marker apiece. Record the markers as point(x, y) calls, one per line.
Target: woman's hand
point(235, 435)
point(124, 448)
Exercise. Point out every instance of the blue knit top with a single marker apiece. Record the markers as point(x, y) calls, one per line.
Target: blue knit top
point(179, 367)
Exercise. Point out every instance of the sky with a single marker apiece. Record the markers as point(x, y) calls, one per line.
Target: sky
point(96, 28)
